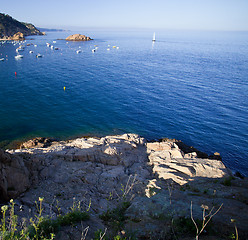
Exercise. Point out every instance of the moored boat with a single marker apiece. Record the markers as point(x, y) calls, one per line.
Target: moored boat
point(18, 56)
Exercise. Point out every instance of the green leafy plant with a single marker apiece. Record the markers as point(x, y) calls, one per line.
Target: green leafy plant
point(40, 228)
point(100, 235)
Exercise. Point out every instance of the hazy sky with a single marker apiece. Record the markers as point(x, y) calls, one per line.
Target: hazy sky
point(167, 14)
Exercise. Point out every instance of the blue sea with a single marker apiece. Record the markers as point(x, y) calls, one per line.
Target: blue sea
point(188, 85)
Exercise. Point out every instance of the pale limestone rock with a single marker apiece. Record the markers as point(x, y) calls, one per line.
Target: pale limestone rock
point(176, 153)
point(169, 163)
point(190, 155)
point(158, 146)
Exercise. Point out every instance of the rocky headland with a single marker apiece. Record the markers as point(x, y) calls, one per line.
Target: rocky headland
point(11, 29)
point(157, 179)
point(78, 37)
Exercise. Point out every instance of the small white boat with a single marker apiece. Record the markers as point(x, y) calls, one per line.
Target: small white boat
point(78, 51)
point(153, 39)
point(93, 50)
point(108, 49)
point(35, 45)
point(20, 49)
point(31, 52)
point(117, 47)
point(1, 59)
point(38, 55)
point(52, 47)
point(54, 41)
point(18, 56)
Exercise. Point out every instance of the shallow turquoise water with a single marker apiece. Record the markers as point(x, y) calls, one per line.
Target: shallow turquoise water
point(187, 85)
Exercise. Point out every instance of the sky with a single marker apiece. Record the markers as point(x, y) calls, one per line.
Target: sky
point(144, 14)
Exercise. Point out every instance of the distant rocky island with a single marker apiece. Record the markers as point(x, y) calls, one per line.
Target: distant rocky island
point(11, 29)
point(78, 37)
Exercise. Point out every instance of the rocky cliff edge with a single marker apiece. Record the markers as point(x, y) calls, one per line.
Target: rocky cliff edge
point(158, 179)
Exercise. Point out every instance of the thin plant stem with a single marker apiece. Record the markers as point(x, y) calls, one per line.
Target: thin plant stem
point(205, 219)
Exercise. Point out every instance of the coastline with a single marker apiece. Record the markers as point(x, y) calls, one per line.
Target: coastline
point(16, 143)
point(35, 141)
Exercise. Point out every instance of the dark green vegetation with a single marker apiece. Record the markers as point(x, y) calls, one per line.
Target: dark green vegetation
point(48, 226)
point(228, 181)
point(116, 218)
point(39, 228)
point(9, 26)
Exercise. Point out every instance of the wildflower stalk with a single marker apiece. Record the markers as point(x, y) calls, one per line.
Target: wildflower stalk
point(205, 218)
point(3, 226)
point(236, 229)
point(13, 220)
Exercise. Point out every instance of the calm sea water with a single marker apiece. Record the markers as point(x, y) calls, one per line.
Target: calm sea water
point(191, 86)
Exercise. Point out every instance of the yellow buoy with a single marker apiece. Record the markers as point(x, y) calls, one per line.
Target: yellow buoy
point(64, 88)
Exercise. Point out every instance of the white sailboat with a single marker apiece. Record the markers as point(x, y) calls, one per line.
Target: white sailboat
point(153, 39)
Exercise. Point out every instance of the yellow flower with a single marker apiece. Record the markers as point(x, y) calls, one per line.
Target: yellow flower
point(11, 200)
point(41, 199)
point(4, 208)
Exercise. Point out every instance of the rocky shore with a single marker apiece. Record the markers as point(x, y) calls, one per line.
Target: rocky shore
point(11, 29)
point(158, 179)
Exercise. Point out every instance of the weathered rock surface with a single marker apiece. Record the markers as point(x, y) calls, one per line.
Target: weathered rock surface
point(18, 36)
point(169, 162)
point(38, 142)
point(78, 37)
point(14, 176)
point(158, 178)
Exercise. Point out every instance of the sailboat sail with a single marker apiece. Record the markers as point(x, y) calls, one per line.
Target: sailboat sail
point(153, 39)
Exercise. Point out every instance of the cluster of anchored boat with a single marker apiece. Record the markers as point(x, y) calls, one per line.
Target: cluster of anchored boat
point(95, 48)
point(21, 47)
